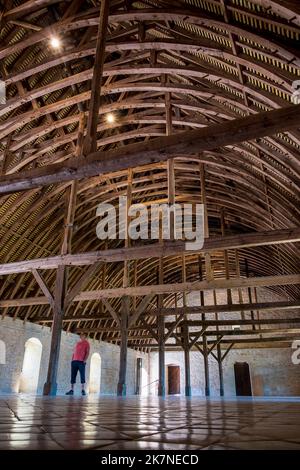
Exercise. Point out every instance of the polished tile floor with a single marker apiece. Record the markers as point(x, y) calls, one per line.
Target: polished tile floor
point(148, 423)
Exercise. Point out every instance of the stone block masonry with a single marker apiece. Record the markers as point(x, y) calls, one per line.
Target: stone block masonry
point(272, 372)
point(15, 334)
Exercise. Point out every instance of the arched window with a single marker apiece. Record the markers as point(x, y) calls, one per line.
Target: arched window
point(95, 373)
point(31, 366)
point(2, 352)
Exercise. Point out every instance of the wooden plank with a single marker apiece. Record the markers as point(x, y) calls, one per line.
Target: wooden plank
point(168, 248)
point(159, 149)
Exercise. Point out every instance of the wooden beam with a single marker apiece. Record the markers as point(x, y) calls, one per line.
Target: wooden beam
point(159, 149)
point(111, 310)
point(168, 248)
point(41, 282)
point(80, 284)
point(264, 281)
point(141, 308)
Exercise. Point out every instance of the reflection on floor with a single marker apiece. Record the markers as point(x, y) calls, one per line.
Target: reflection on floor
point(148, 423)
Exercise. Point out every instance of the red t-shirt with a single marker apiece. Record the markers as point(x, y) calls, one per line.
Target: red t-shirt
point(81, 351)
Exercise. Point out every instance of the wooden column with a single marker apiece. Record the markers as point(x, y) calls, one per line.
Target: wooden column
point(161, 337)
point(90, 144)
point(220, 366)
point(238, 275)
point(138, 375)
point(125, 309)
point(208, 276)
point(121, 391)
point(249, 292)
point(187, 365)
point(219, 352)
point(186, 349)
point(206, 365)
point(50, 387)
point(226, 259)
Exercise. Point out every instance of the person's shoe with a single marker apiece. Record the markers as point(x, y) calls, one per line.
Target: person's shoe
point(83, 393)
point(70, 392)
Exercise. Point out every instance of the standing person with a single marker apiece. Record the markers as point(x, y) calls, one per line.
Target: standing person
point(80, 355)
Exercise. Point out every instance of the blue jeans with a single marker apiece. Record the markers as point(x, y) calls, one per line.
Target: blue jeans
point(75, 367)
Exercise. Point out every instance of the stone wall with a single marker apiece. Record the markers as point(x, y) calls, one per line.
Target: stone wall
point(15, 334)
point(272, 372)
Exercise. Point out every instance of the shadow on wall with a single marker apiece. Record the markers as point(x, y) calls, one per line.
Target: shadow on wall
point(29, 377)
point(95, 374)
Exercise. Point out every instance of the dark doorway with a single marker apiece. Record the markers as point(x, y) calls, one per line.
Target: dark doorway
point(173, 380)
point(242, 379)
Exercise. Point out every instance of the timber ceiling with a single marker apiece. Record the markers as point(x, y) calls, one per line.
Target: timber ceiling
point(218, 59)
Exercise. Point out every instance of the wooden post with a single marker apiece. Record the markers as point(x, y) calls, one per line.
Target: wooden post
point(50, 387)
point(208, 275)
point(186, 349)
point(206, 366)
point(249, 292)
point(121, 391)
point(238, 275)
point(161, 338)
point(220, 366)
point(226, 259)
point(219, 352)
point(188, 389)
point(90, 144)
point(138, 375)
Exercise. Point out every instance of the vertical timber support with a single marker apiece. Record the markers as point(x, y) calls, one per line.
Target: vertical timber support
point(50, 386)
point(206, 366)
point(125, 308)
point(186, 348)
point(220, 366)
point(187, 365)
point(226, 258)
point(90, 143)
point(138, 375)
point(121, 390)
point(161, 338)
point(208, 275)
point(249, 293)
point(219, 353)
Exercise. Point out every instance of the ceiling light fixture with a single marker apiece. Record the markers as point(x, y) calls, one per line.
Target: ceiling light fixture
point(55, 42)
point(110, 118)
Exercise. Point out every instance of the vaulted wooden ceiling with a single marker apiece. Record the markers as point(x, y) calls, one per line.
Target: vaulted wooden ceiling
point(210, 62)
